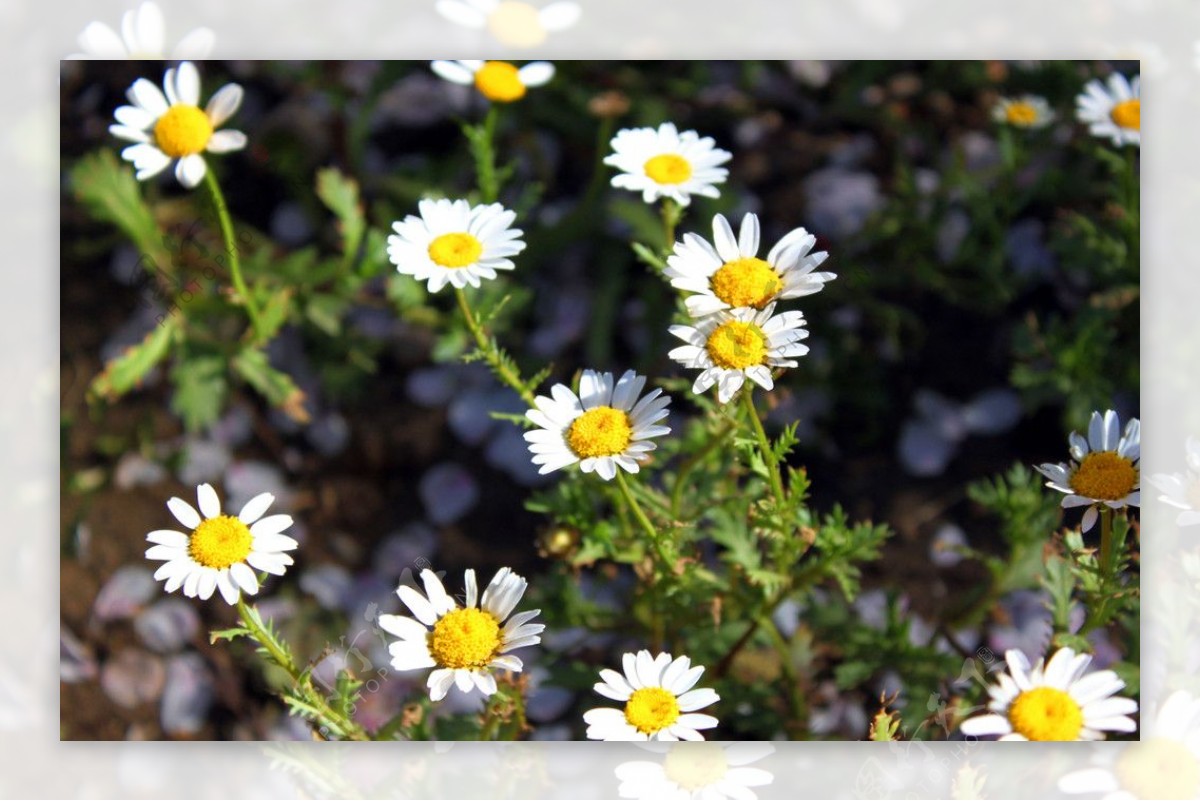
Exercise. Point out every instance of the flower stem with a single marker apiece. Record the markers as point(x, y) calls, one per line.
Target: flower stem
point(671, 212)
point(231, 248)
point(640, 515)
point(502, 368)
point(1106, 550)
point(694, 461)
point(764, 446)
point(483, 146)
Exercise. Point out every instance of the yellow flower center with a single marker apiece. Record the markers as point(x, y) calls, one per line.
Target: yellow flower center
point(651, 709)
point(1105, 476)
point(220, 542)
point(694, 766)
point(465, 638)
point(1045, 713)
point(455, 250)
point(182, 131)
point(1021, 114)
point(516, 25)
point(1128, 115)
point(603, 431)
point(668, 168)
point(498, 81)
point(735, 345)
point(1158, 768)
point(746, 282)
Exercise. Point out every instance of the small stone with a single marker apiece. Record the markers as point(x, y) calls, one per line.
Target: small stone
point(124, 594)
point(203, 461)
point(328, 583)
point(133, 677)
point(168, 626)
point(135, 470)
point(76, 662)
point(448, 492)
point(187, 696)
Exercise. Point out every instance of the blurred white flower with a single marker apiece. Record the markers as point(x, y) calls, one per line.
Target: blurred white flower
point(1026, 111)
point(697, 770)
point(512, 22)
point(143, 36)
point(1114, 113)
point(498, 81)
point(1182, 490)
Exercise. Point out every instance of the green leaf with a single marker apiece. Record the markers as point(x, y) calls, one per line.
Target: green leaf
point(127, 370)
point(274, 385)
point(340, 195)
point(274, 314)
point(200, 390)
point(325, 312)
point(228, 634)
point(112, 194)
point(648, 256)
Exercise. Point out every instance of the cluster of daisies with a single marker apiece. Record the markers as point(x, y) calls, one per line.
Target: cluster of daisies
point(734, 334)
point(1111, 110)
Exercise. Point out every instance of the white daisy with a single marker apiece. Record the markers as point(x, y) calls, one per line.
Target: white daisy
point(513, 23)
point(1104, 467)
point(1056, 702)
point(605, 427)
point(221, 552)
point(143, 35)
point(660, 703)
point(174, 127)
point(1115, 112)
point(697, 770)
point(465, 644)
point(1026, 111)
point(1182, 490)
point(665, 163)
point(728, 273)
point(453, 243)
point(730, 346)
point(1164, 764)
point(498, 81)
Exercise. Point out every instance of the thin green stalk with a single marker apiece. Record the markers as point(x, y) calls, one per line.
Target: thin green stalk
point(795, 698)
point(764, 446)
point(671, 212)
point(640, 516)
point(692, 462)
point(485, 158)
point(1106, 549)
point(502, 369)
point(235, 263)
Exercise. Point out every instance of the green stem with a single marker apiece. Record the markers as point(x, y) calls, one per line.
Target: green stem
point(693, 462)
point(795, 698)
point(1106, 549)
point(635, 507)
point(764, 446)
point(502, 370)
point(485, 162)
point(235, 264)
point(671, 212)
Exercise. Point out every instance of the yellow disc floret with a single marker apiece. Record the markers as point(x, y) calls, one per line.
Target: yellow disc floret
point(735, 345)
point(695, 765)
point(1045, 713)
point(1104, 476)
point(1021, 114)
point(603, 431)
point(465, 638)
point(1128, 114)
point(516, 24)
point(182, 131)
point(455, 250)
point(1158, 768)
point(651, 709)
point(668, 168)
point(220, 542)
point(746, 282)
point(499, 82)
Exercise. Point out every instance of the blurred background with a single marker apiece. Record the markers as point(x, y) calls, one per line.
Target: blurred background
point(984, 307)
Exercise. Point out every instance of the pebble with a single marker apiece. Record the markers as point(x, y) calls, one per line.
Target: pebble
point(203, 461)
point(135, 470)
point(133, 677)
point(448, 492)
point(187, 696)
point(76, 662)
point(328, 583)
point(124, 594)
point(168, 626)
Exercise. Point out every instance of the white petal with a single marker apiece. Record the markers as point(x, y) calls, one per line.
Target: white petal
point(244, 577)
point(985, 725)
point(224, 104)
point(184, 513)
point(256, 507)
point(190, 170)
point(461, 14)
point(164, 536)
point(454, 72)
point(439, 683)
point(187, 84)
point(417, 604)
point(229, 591)
point(271, 525)
point(146, 95)
point(226, 141)
point(560, 15)
point(536, 73)
point(196, 44)
point(210, 504)
point(100, 41)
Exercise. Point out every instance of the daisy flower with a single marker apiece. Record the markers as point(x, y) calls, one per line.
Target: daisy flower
point(730, 346)
point(1182, 490)
point(728, 273)
point(697, 770)
point(660, 703)
point(464, 644)
point(174, 127)
point(1164, 764)
point(498, 81)
point(1104, 467)
point(666, 163)
point(142, 35)
point(1026, 111)
point(221, 552)
point(604, 427)
point(512, 23)
point(1115, 112)
point(1055, 702)
point(453, 243)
